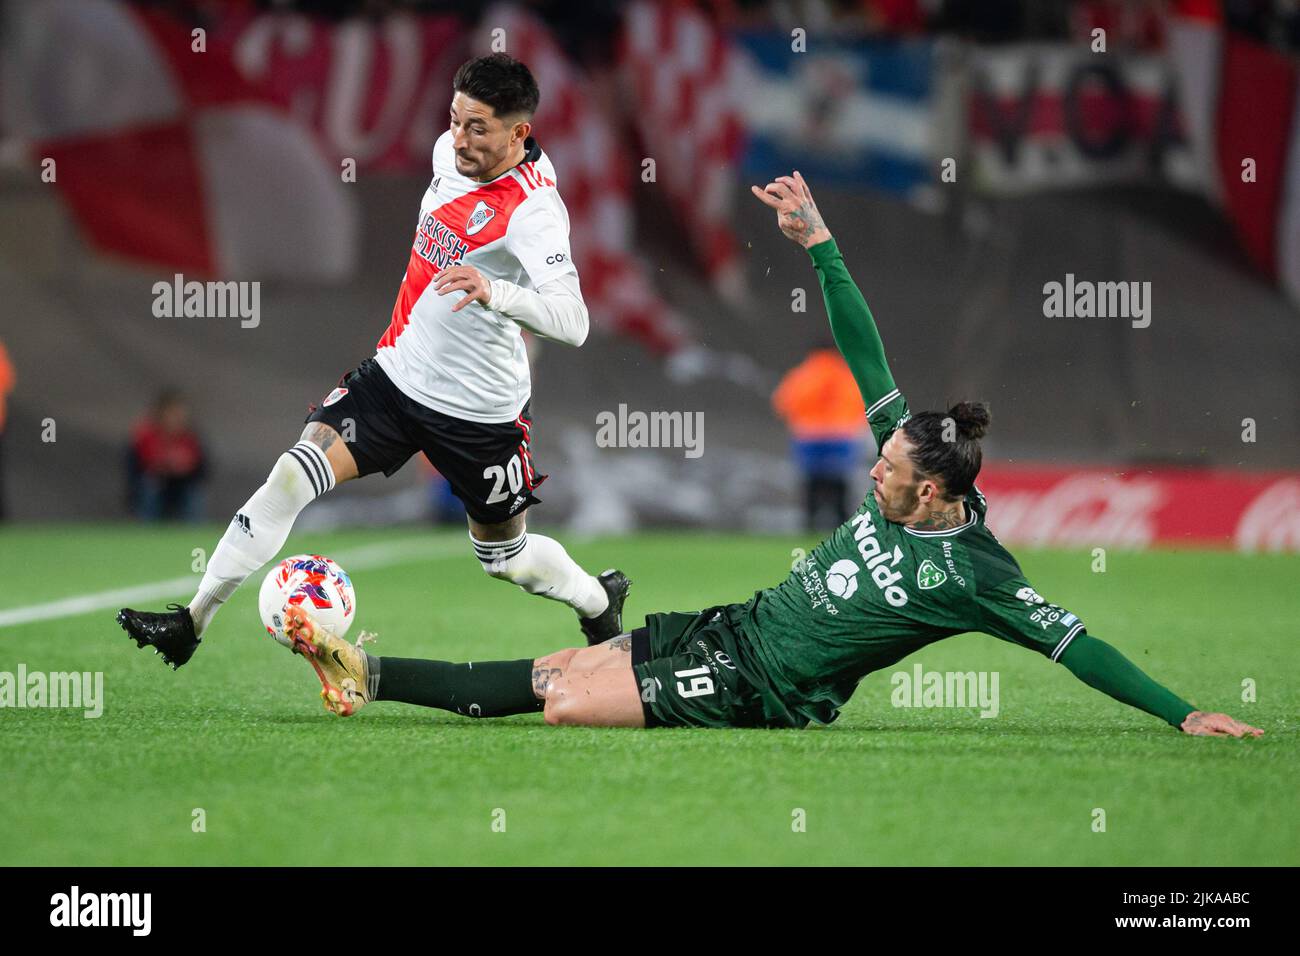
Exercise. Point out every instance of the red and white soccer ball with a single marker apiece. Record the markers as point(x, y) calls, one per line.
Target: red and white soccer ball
point(313, 582)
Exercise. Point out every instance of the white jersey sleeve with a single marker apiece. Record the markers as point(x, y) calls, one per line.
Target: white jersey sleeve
point(538, 237)
point(554, 310)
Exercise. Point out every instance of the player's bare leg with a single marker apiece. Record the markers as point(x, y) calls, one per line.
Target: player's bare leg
point(318, 462)
point(541, 566)
point(593, 686)
point(590, 686)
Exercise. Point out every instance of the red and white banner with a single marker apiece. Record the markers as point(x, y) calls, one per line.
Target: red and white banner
point(164, 154)
point(1050, 116)
point(228, 160)
point(1219, 112)
point(374, 90)
point(1167, 507)
point(685, 83)
point(1241, 101)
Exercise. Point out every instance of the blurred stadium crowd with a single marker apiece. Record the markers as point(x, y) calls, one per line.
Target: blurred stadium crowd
point(1124, 158)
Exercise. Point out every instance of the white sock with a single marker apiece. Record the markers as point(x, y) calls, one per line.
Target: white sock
point(540, 565)
point(260, 528)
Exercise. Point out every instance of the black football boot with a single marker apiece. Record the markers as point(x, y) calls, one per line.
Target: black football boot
point(609, 623)
point(169, 633)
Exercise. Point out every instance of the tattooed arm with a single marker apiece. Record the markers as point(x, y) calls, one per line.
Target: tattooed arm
point(851, 321)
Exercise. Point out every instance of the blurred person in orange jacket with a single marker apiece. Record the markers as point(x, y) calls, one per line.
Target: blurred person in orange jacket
point(820, 404)
point(167, 464)
point(7, 381)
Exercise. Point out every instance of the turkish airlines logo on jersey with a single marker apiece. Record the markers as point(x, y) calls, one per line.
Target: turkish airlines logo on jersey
point(479, 218)
point(439, 245)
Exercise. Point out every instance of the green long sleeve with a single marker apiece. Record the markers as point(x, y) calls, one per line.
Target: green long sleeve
point(1100, 666)
point(852, 324)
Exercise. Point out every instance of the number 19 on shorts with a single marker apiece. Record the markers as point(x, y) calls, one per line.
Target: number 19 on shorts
point(701, 682)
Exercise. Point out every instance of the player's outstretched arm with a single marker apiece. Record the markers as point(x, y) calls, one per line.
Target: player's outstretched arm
point(852, 324)
point(1102, 667)
point(1200, 724)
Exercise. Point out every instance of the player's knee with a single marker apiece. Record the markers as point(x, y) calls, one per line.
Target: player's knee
point(285, 473)
point(288, 477)
point(337, 458)
point(518, 568)
point(516, 571)
point(500, 569)
point(304, 467)
point(562, 705)
point(557, 663)
point(551, 684)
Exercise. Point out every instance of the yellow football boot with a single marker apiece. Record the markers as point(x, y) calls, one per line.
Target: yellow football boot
point(340, 666)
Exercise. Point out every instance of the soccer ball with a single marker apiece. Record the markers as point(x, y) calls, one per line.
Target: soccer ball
point(313, 582)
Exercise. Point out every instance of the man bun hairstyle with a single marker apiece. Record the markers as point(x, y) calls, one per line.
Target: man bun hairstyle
point(500, 81)
point(946, 445)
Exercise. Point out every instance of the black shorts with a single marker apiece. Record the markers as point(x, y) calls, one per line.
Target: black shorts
point(489, 466)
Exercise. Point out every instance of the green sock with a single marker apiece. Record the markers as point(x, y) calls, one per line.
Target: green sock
point(483, 689)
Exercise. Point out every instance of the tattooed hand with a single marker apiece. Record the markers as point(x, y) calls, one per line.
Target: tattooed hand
point(1199, 724)
point(796, 213)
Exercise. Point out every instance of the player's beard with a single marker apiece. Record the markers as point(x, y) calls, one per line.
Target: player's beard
point(478, 166)
point(901, 505)
point(468, 168)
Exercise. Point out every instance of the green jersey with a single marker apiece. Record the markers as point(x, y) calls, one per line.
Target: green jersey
point(867, 596)
point(875, 591)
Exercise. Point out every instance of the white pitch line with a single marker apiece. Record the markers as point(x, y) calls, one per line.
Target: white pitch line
point(362, 558)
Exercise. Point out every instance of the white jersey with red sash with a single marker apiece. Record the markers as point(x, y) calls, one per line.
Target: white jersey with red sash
point(472, 364)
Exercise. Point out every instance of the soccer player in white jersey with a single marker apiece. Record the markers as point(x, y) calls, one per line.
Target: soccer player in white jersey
point(450, 376)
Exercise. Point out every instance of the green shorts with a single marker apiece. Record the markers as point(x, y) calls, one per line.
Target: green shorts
point(686, 675)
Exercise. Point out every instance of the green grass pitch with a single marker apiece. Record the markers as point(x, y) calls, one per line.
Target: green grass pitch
point(240, 733)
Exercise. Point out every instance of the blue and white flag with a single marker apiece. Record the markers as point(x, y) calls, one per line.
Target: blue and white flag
point(856, 113)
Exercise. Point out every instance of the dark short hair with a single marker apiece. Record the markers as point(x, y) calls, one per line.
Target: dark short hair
point(955, 462)
point(500, 81)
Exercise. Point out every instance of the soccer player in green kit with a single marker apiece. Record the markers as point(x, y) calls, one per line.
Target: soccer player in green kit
point(914, 565)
